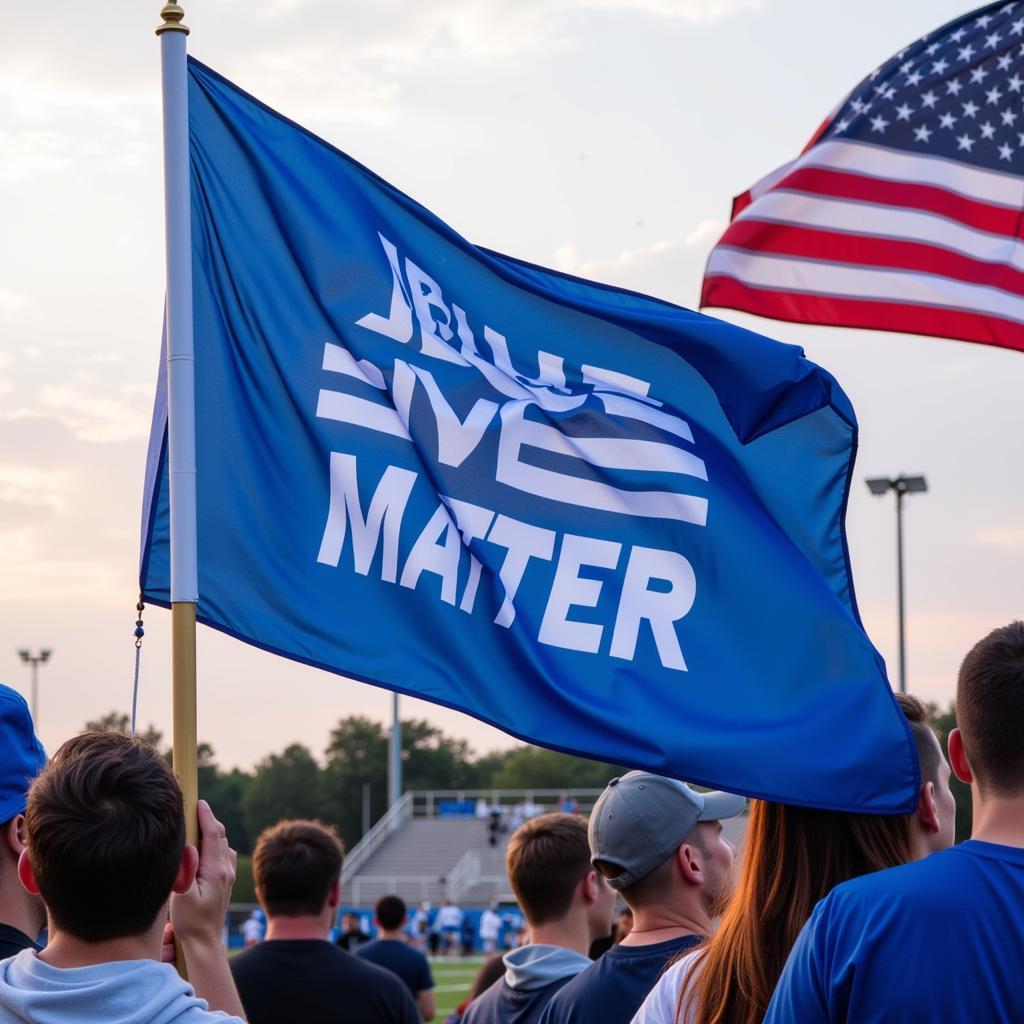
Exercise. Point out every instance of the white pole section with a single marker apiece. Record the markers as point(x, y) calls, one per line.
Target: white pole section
point(180, 354)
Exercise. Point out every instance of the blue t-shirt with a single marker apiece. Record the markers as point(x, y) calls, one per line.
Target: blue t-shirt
point(409, 964)
point(612, 988)
point(941, 939)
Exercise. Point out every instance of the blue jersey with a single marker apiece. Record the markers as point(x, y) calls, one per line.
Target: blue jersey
point(938, 940)
point(612, 988)
point(409, 964)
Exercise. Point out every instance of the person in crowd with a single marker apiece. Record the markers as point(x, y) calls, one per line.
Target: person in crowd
point(449, 924)
point(390, 950)
point(352, 936)
point(295, 974)
point(567, 905)
point(252, 930)
point(490, 971)
point(490, 928)
point(106, 851)
point(660, 845)
point(419, 926)
point(22, 914)
point(622, 925)
point(942, 938)
point(793, 856)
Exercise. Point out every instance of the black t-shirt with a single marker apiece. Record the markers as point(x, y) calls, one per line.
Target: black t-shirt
point(611, 989)
point(501, 1004)
point(408, 963)
point(12, 942)
point(353, 940)
point(312, 981)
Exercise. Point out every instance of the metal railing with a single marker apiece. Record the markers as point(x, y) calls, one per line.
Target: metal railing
point(427, 803)
point(397, 815)
point(464, 875)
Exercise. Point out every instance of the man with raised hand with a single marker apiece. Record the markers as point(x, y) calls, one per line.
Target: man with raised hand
point(106, 851)
point(296, 973)
point(567, 905)
point(941, 938)
point(660, 845)
point(22, 914)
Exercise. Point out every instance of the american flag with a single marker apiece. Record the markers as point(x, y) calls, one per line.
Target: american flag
point(906, 210)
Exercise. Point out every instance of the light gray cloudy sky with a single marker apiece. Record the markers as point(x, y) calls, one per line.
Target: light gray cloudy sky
point(603, 137)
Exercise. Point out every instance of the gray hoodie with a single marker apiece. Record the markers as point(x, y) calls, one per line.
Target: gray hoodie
point(537, 966)
point(123, 992)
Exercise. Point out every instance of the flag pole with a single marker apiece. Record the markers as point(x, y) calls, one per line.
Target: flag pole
point(180, 409)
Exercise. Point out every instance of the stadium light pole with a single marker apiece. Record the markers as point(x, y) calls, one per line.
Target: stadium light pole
point(35, 660)
point(395, 756)
point(901, 485)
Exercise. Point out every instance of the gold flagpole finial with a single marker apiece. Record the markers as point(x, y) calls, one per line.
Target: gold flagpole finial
point(172, 15)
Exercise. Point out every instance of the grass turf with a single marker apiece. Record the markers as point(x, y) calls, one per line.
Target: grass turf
point(452, 980)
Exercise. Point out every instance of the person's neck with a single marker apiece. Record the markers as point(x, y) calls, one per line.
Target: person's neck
point(64, 950)
point(571, 932)
point(664, 921)
point(393, 934)
point(998, 819)
point(302, 926)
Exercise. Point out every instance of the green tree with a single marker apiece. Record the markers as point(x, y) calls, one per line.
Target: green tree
point(285, 785)
point(538, 768)
point(357, 754)
point(117, 721)
point(944, 722)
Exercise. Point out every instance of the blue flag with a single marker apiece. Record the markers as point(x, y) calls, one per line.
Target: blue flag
point(595, 520)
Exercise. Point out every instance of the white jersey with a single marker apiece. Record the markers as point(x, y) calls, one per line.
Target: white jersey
point(660, 1005)
point(490, 925)
point(448, 917)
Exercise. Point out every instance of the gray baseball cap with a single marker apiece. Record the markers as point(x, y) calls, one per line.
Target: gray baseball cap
point(640, 820)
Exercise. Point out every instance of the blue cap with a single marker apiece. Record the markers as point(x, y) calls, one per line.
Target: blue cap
point(21, 754)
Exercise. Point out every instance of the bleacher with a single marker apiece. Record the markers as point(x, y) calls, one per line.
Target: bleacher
point(432, 846)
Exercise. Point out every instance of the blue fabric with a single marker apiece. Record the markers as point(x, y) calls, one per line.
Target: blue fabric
point(409, 964)
point(938, 940)
point(612, 988)
point(596, 520)
point(21, 754)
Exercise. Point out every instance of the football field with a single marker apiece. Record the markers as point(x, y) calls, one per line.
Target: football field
point(452, 980)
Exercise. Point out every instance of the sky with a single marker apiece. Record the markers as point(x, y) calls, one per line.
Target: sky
point(601, 137)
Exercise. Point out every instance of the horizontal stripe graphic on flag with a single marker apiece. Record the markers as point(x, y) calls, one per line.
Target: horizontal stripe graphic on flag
point(905, 211)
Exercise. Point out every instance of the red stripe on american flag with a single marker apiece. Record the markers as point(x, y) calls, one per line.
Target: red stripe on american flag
point(830, 311)
point(769, 238)
point(830, 184)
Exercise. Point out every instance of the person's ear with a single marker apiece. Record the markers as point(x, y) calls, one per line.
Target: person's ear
point(187, 870)
point(334, 895)
point(16, 834)
point(589, 887)
point(688, 859)
point(26, 875)
point(927, 811)
point(958, 757)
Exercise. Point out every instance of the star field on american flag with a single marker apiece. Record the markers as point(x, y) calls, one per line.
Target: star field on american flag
point(959, 94)
point(905, 212)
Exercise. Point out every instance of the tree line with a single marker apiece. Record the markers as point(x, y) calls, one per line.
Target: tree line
point(294, 783)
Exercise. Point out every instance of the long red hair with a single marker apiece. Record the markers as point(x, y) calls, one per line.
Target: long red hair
point(793, 857)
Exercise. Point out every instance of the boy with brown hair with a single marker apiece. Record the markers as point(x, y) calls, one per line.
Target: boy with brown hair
point(296, 974)
point(567, 905)
point(107, 853)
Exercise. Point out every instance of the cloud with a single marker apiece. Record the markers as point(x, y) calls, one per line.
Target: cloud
point(1009, 538)
point(5, 384)
point(95, 417)
point(705, 231)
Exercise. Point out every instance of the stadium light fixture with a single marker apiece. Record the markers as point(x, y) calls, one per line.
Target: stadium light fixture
point(35, 660)
point(901, 485)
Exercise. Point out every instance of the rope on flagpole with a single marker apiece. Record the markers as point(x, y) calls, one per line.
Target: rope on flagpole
point(140, 632)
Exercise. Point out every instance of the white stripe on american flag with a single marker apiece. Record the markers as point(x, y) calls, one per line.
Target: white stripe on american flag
point(874, 220)
point(816, 277)
point(920, 169)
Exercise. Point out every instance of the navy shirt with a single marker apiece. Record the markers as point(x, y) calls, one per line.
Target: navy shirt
point(501, 1004)
point(401, 959)
point(941, 939)
point(612, 988)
